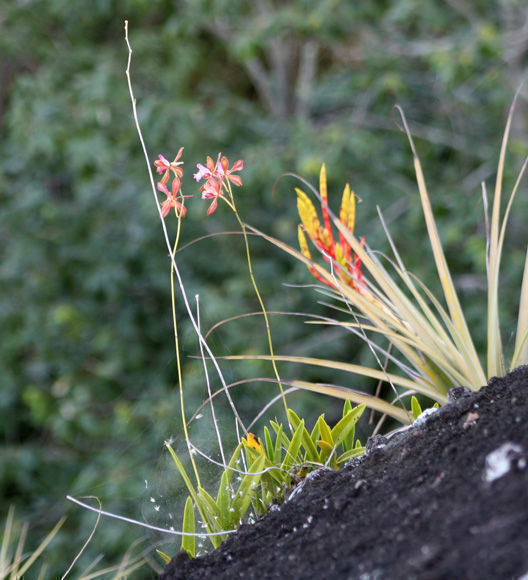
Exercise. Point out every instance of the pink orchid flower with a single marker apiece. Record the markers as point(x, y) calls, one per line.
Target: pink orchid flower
point(173, 199)
point(165, 166)
point(215, 175)
point(212, 190)
point(210, 170)
point(238, 166)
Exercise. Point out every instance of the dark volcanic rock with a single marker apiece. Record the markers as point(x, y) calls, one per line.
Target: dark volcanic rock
point(447, 498)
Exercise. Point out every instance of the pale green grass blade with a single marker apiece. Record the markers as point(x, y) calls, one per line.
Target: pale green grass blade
point(212, 513)
point(41, 547)
point(277, 452)
point(6, 539)
point(370, 401)
point(183, 472)
point(502, 236)
point(270, 449)
point(122, 574)
point(17, 559)
point(495, 351)
point(454, 373)
point(422, 388)
point(444, 274)
point(520, 355)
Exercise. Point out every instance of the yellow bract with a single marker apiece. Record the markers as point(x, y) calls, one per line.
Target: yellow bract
point(308, 214)
point(347, 215)
point(303, 244)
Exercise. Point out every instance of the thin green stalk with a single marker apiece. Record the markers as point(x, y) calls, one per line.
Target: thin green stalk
point(177, 348)
point(232, 205)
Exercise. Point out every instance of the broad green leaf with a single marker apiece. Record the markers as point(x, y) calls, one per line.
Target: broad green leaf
point(315, 435)
point(188, 483)
point(347, 425)
point(189, 527)
point(282, 440)
point(356, 452)
point(223, 498)
point(245, 493)
point(207, 506)
point(327, 448)
point(277, 452)
point(293, 418)
point(269, 443)
point(324, 430)
point(308, 444)
point(292, 455)
point(416, 408)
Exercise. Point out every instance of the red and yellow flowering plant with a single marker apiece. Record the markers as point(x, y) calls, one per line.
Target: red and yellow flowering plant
point(425, 338)
point(340, 254)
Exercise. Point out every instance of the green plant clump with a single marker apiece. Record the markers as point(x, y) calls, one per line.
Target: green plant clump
point(274, 465)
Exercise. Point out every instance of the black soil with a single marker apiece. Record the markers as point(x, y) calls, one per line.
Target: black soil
point(423, 504)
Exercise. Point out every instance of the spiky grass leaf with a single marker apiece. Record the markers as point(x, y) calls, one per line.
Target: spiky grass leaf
point(520, 355)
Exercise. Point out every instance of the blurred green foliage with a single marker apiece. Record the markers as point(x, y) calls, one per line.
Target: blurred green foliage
point(87, 372)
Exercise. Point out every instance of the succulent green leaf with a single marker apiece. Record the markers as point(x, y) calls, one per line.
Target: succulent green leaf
point(223, 498)
point(292, 453)
point(416, 408)
point(324, 430)
point(356, 452)
point(346, 425)
point(246, 493)
point(315, 434)
point(270, 450)
point(277, 452)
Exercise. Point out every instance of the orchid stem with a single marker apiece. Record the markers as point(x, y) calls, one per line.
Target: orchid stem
point(178, 355)
point(232, 205)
